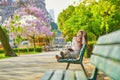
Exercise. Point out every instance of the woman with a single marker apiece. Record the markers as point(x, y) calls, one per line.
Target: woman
point(77, 44)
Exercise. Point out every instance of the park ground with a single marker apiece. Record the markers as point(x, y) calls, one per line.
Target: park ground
point(33, 66)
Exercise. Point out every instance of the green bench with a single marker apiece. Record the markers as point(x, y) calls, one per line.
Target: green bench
point(105, 57)
point(76, 61)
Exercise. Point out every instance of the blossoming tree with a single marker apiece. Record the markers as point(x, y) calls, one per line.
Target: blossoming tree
point(29, 21)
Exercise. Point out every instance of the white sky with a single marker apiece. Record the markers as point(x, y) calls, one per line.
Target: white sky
point(58, 6)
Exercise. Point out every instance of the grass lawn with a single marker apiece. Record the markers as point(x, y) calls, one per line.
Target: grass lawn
point(2, 56)
point(21, 51)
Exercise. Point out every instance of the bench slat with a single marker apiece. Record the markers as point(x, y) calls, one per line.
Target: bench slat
point(80, 75)
point(109, 51)
point(74, 61)
point(110, 38)
point(58, 75)
point(47, 75)
point(108, 66)
point(69, 75)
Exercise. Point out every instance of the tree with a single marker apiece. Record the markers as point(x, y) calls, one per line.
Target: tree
point(97, 18)
point(29, 21)
point(63, 17)
point(7, 48)
point(5, 42)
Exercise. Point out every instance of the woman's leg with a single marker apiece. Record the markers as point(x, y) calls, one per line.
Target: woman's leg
point(62, 54)
point(58, 57)
point(66, 54)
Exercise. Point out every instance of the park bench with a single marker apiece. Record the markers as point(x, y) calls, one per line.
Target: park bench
point(105, 58)
point(75, 61)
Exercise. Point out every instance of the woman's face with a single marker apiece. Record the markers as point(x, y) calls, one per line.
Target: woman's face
point(79, 35)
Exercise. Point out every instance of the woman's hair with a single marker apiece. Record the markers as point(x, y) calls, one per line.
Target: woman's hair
point(80, 36)
point(84, 36)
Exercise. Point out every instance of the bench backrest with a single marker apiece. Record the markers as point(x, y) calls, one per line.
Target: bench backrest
point(106, 55)
point(82, 51)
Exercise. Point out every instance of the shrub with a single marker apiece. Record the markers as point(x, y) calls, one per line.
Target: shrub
point(1, 51)
point(31, 49)
point(22, 50)
point(89, 49)
point(38, 49)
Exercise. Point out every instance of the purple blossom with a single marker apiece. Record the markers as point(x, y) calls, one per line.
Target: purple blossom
point(34, 22)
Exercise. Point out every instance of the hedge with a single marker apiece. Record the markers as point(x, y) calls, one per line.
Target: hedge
point(38, 49)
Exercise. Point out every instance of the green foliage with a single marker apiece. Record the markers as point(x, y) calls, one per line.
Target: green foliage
point(24, 50)
point(62, 20)
point(97, 18)
point(89, 48)
point(2, 56)
point(21, 51)
point(31, 49)
point(1, 51)
point(38, 49)
point(15, 28)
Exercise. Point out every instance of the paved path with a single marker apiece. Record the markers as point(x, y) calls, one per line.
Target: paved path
point(29, 67)
point(32, 67)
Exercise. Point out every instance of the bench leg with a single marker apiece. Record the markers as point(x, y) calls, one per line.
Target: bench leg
point(84, 69)
point(67, 66)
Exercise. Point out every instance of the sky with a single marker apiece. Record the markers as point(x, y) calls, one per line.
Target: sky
point(58, 6)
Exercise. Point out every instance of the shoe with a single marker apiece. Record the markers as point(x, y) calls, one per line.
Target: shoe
point(58, 57)
point(62, 54)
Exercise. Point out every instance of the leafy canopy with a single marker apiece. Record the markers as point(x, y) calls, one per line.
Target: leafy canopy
point(97, 18)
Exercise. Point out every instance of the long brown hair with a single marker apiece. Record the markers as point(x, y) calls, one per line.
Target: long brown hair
point(84, 36)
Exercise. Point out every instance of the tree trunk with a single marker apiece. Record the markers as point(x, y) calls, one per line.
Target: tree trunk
point(34, 43)
point(5, 43)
